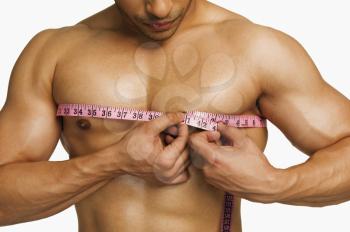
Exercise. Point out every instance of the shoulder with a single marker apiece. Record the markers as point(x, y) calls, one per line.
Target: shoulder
point(265, 42)
point(273, 56)
point(259, 45)
point(255, 38)
point(281, 62)
point(51, 44)
point(44, 51)
point(56, 38)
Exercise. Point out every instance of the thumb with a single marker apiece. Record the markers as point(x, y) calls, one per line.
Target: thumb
point(179, 143)
point(166, 120)
point(234, 135)
point(200, 144)
point(213, 136)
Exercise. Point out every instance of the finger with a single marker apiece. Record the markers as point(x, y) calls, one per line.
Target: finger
point(168, 158)
point(166, 120)
point(207, 170)
point(213, 136)
point(180, 141)
point(209, 136)
point(233, 134)
point(173, 131)
point(201, 146)
point(182, 169)
point(181, 178)
point(169, 139)
point(182, 162)
point(174, 165)
point(167, 175)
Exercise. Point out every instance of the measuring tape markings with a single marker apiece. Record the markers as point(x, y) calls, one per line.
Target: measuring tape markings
point(202, 120)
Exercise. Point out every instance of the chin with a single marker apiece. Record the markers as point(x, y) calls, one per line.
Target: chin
point(160, 36)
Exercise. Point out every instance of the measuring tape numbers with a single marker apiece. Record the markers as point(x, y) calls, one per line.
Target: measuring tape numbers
point(202, 120)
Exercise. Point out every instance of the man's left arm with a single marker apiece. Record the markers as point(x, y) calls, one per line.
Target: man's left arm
point(313, 115)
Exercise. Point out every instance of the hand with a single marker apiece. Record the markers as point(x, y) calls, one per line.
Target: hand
point(232, 162)
point(145, 155)
point(170, 134)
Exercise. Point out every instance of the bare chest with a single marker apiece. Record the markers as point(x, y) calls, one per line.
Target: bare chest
point(180, 77)
point(183, 76)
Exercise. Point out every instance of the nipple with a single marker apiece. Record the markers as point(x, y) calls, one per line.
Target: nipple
point(83, 124)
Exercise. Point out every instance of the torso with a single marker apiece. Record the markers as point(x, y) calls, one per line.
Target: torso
point(202, 68)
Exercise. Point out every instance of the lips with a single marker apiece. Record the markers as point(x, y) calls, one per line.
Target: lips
point(161, 26)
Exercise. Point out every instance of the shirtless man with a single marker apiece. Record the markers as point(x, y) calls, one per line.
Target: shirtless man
point(120, 176)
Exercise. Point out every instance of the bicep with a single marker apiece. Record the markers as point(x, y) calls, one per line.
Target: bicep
point(29, 129)
point(310, 112)
point(310, 120)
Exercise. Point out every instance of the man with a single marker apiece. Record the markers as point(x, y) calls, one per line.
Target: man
point(120, 176)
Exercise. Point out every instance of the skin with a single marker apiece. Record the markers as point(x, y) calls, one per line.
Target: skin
point(122, 174)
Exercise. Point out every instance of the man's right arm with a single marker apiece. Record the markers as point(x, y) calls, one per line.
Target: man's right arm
point(31, 186)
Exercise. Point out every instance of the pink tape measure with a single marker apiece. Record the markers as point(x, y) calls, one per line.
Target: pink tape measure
point(202, 120)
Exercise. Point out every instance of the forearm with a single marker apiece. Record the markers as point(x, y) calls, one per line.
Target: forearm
point(35, 190)
point(323, 180)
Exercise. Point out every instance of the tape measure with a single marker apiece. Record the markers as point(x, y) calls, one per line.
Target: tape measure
point(202, 120)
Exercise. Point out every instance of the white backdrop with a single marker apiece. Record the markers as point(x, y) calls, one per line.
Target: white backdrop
point(322, 27)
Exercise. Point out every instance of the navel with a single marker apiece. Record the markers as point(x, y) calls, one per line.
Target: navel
point(83, 124)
